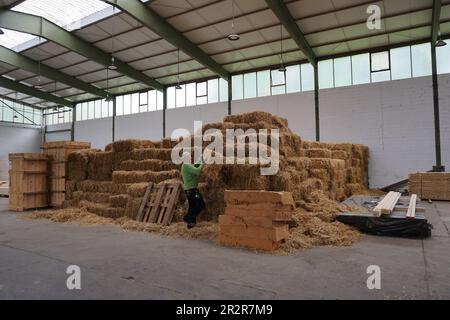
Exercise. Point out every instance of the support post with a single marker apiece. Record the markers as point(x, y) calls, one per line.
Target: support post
point(230, 95)
point(114, 119)
point(164, 111)
point(74, 118)
point(437, 124)
point(316, 102)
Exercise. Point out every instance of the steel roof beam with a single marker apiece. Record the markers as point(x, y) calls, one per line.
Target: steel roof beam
point(23, 62)
point(280, 9)
point(19, 87)
point(160, 26)
point(39, 26)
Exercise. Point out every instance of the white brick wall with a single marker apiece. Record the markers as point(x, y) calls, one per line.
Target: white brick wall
point(395, 119)
point(298, 108)
point(97, 132)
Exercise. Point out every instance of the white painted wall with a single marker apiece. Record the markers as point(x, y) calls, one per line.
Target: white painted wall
point(58, 136)
point(298, 108)
point(15, 139)
point(183, 118)
point(394, 119)
point(97, 132)
point(140, 126)
point(444, 98)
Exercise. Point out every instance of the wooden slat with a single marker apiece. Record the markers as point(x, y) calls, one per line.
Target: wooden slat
point(411, 214)
point(170, 209)
point(157, 205)
point(140, 215)
point(387, 205)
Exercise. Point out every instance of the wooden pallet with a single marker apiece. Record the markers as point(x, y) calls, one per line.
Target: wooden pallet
point(158, 204)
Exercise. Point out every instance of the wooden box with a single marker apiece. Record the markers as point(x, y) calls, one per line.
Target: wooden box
point(430, 185)
point(28, 181)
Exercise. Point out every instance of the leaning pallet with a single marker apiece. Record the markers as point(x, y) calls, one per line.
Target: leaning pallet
point(57, 153)
point(28, 181)
point(158, 204)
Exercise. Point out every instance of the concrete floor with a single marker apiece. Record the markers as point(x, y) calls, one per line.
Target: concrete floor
point(115, 264)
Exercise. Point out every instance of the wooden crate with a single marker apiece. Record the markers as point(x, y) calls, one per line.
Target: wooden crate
point(60, 150)
point(57, 185)
point(28, 181)
point(58, 153)
point(24, 182)
point(21, 202)
point(58, 169)
point(430, 185)
point(28, 162)
point(57, 199)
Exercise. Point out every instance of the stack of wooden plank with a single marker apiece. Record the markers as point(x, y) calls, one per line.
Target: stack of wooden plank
point(387, 205)
point(256, 219)
point(57, 153)
point(28, 181)
point(430, 185)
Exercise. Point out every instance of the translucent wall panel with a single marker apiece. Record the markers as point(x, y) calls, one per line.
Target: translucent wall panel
point(361, 68)
point(223, 90)
point(307, 75)
point(213, 91)
point(401, 63)
point(443, 58)
point(343, 72)
point(293, 83)
point(250, 85)
point(326, 74)
point(421, 60)
point(263, 80)
point(238, 87)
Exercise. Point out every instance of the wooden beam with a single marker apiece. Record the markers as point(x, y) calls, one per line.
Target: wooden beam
point(411, 214)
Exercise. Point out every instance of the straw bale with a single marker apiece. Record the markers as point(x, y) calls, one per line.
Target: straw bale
point(255, 117)
point(320, 163)
point(119, 201)
point(137, 190)
point(148, 165)
point(340, 154)
point(102, 187)
point(77, 164)
point(318, 153)
point(145, 154)
point(144, 176)
point(129, 145)
point(100, 166)
point(132, 207)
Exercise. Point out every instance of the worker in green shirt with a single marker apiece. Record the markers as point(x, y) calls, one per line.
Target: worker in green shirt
point(191, 174)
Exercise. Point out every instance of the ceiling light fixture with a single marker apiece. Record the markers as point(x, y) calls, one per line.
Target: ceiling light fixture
point(39, 85)
point(113, 66)
point(178, 87)
point(282, 67)
point(109, 96)
point(440, 43)
point(233, 36)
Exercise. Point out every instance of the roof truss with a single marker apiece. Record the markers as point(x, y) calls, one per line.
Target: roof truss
point(39, 26)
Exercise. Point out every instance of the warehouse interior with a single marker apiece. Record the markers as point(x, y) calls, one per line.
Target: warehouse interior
point(357, 88)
